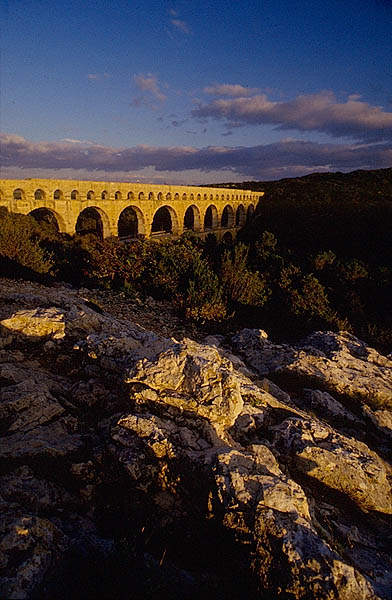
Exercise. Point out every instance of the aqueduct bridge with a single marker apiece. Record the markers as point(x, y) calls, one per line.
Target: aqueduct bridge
point(130, 209)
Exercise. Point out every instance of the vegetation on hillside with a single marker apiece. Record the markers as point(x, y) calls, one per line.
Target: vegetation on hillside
point(317, 255)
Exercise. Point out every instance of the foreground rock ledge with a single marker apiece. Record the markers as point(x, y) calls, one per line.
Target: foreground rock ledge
point(276, 456)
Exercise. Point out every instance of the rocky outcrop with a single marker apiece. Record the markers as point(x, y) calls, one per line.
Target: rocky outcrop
point(221, 469)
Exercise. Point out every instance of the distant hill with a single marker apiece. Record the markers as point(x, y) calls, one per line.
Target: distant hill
point(357, 185)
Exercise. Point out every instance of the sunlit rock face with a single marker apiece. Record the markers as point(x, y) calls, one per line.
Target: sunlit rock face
point(225, 469)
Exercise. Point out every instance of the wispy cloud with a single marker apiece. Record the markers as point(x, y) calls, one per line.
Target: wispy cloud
point(314, 112)
point(270, 161)
point(228, 89)
point(177, 23)
point(180, 25)
point(73, 141)
point(97, 76)
point(149, 83)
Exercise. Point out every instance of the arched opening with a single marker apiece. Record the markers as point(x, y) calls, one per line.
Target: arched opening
point(151, 196)
point(250, 212)
point(39, 194)
point(168, 197)
point(49, 218)
point(118, 195)
point(227, 239)
point(192, 219)
point(160, 197)
point(57, 195)
point(165, 221)
point(184, 197)
point(141, 196)
point(227, 219)
point(105, 195)
point(74, 195)
point(18, 194)
point(90, 195)
point(131, 222)
point(240, 216)
point(94, 221)
point(211, 218)
point(176, 197)
point(130, 196)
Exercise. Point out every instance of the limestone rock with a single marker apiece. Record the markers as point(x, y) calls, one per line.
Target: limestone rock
point(338, 362)
point(56, 439)
point(34, 544)
point(273, 513)
point(340, 463)
point(192, 378)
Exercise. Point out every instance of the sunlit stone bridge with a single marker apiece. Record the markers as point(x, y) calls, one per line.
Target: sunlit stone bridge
point(128, 210)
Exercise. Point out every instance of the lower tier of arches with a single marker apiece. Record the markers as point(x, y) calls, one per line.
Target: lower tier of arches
point(132, 221)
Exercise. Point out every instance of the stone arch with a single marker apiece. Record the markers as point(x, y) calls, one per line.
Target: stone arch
point(39, 194)
point(165, 221)
point(130, 196)
point(118, 195)
point(141, 196)
point(198, 197)
point(151, 196)
point(250, 212)
point(176, 197)
point(105, 195)
point(18, 194)
point(205, 198)
point(58, 195)
point(184, 198)
point(160, 197)
point(192, 218)
point(93, 220)
point(90, 195)
point(168, 197)
point(211, 217)
point(48, 216)
point(74, 195)
point(227, 219)
point(192, 198)
point(240, 216)
point(131, 222)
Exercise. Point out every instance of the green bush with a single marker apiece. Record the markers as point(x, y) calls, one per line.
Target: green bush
point(240, 284)
point(167, 266)
point(20, 242)
point(203, 300)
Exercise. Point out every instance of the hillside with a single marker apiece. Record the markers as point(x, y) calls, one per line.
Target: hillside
point(357, 185)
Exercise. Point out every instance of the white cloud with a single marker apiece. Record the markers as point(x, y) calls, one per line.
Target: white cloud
point(314, 112)
point(228, 89)
point(149, 83)
point(270, 161)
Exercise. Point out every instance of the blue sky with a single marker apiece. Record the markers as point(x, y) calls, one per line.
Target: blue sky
point(195, 92)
